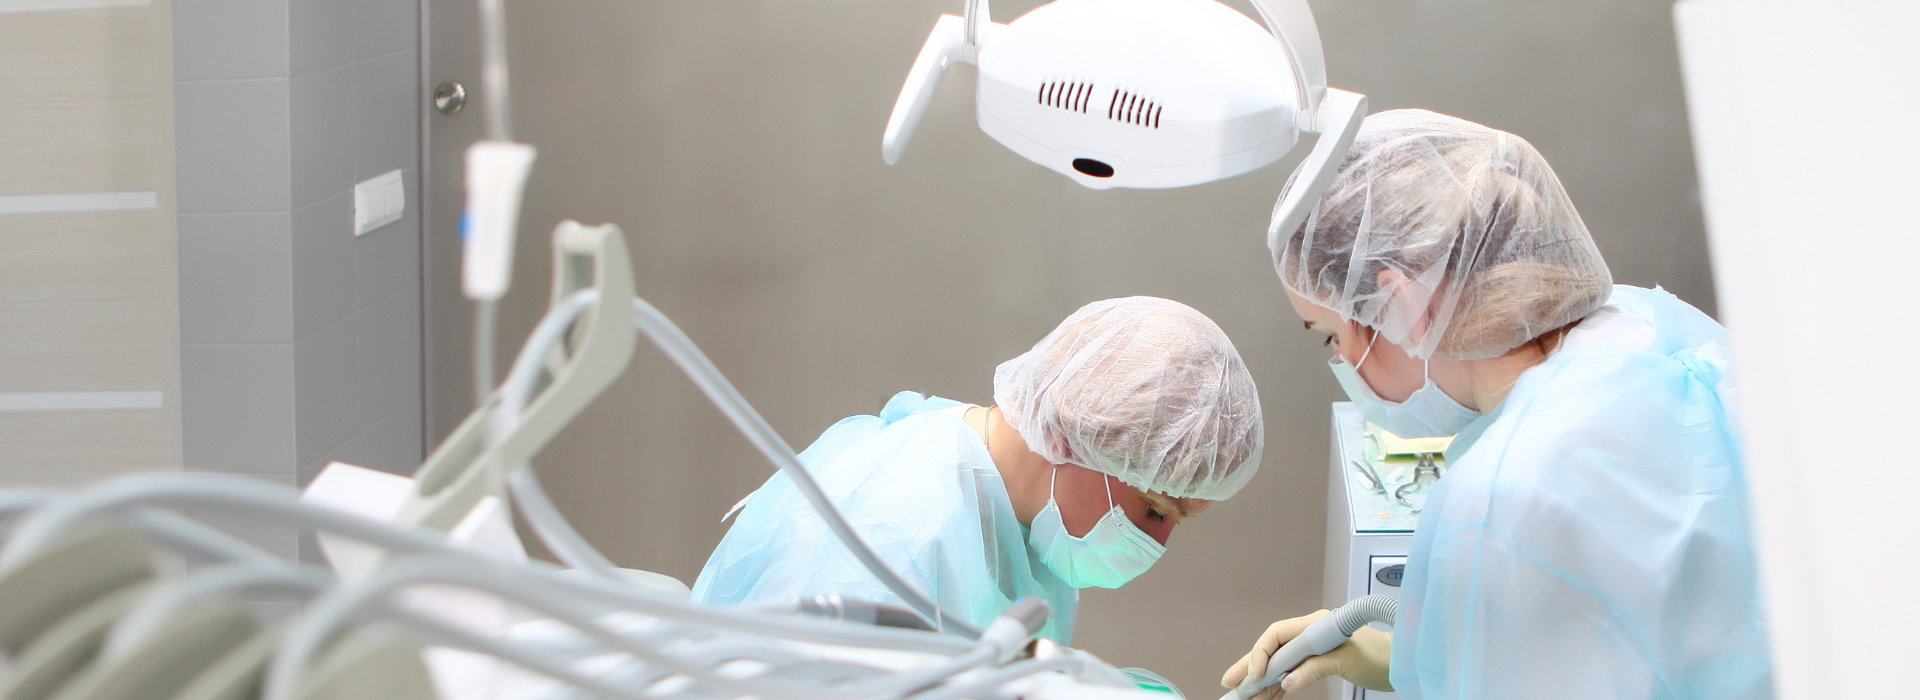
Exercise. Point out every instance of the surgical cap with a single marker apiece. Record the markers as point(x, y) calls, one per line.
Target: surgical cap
point(1488, 250)
point(1147, 390)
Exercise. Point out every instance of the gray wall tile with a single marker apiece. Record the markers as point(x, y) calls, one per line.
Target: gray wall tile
point(229, 39)
point(386, 118)
point(322, 144)
point(311, 470)
point(385, 26)
point(324, 389)
point(389, 355)
point(323, 267)
point(388, 258)
point(277, 536)
point(289, 273)
point(235, 274)
point(392, 445)
point(321, 34)
point(237, 408)
point(231, 141)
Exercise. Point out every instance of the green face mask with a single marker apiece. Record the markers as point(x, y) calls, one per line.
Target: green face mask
point(1111, 554)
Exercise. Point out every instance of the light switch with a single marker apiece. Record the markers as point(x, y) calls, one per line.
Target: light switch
point(378, 201)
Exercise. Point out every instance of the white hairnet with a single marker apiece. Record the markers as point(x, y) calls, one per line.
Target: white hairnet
point(1488, 248)
point(1145, 389)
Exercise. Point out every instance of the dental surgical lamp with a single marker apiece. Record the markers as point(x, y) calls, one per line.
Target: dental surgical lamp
point(1145, 93)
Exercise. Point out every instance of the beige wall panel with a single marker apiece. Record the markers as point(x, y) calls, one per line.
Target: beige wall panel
point(74, 448)
point(84, 256)
point(76, 54)
point(86, 345)
point(64, 146)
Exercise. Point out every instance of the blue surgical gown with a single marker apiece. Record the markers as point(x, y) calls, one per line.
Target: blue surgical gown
point(921, 490)
point(1591, 536)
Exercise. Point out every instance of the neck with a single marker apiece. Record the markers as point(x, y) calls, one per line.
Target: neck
point(1491, 379)
point(1027, 475)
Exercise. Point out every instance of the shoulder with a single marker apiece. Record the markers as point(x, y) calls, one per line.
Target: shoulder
point(915, 470)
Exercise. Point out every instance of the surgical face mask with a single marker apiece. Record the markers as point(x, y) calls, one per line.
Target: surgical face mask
point(1112, 553)
point(1428, 412)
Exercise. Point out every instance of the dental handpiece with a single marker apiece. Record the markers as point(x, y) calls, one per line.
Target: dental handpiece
point(1324, 635)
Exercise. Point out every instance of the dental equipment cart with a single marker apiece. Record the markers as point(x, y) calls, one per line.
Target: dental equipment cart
point(1368, 529)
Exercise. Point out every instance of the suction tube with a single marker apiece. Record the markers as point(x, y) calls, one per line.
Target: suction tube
point(1321, 637)
point(573, 549)
point(678, 347)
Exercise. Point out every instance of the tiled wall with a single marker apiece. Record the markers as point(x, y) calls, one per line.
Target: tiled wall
point(300, 342)
point(89, 386)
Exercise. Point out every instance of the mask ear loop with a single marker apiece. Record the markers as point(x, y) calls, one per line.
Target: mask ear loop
point(1369, 351)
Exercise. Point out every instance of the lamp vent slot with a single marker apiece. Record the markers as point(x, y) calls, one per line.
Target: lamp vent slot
point(1067, 95)
point(1134, 109)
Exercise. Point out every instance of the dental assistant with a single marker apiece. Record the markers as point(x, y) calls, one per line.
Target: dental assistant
point(1132, 416)
point(1591, 537)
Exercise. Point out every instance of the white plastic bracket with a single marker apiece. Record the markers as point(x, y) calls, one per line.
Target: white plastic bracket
point(944, 46)
point(471, 464)
point(1338, 120)
point(1291, 21)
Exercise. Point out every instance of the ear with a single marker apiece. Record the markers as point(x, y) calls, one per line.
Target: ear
point(1401, 304)
point(1360, 336)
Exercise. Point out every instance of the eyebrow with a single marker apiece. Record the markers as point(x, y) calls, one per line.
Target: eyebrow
point(1307, 324)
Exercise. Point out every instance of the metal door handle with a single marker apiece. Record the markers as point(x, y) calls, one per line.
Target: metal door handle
point(450, 97)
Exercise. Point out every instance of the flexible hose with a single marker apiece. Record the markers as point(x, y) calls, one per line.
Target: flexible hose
point(493, 69)
point(567, 544)
point(679, 348)
point(211, 583)
point(1378, 607)
point(332, 612)
point(573, 549)
point(260, 502)
point(485, 312)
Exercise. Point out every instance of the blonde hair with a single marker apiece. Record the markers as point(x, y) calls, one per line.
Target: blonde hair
point(1503, 305)
point(1486, 248)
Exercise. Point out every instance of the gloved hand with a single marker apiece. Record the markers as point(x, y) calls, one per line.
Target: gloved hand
point(1362, 660)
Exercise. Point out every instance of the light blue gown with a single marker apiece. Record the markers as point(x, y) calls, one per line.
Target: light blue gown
point(921, 490)
point(1591, 537)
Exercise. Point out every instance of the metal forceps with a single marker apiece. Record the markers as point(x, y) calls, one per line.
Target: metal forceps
point(1425, 472)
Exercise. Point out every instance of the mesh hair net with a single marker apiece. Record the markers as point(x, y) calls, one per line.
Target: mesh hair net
point(1488, 250)
point(1145, 389)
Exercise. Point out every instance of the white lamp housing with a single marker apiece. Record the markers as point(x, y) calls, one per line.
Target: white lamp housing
point(1144, 93)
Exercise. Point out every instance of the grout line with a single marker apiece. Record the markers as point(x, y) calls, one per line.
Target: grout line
point(262, 212)
point(323, 69)
point(258, 344)
point(249, 79)
point(80, 400)
point(384, 297)
point(348, 193)
point(352, 63)
point(333, 452)
point(369, 429)
point(317, 331)
point(121, 97)
point(88, 201)
point(389, 54)
point(43, 5)
point(349, 318)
